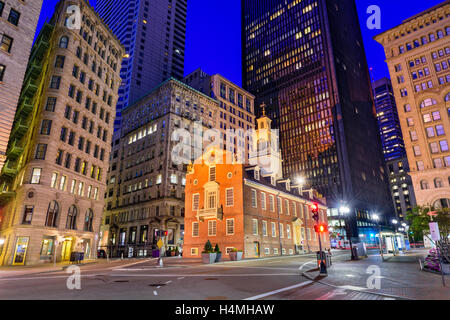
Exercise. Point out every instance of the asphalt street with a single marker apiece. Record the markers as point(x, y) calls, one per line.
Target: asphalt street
point(185, 279)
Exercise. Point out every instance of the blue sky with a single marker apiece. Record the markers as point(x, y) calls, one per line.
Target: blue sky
point(213, 33)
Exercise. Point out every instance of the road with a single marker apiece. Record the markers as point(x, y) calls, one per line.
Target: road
point(185, 279)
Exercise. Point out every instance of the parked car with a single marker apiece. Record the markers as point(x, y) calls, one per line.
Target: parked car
point(101, 254)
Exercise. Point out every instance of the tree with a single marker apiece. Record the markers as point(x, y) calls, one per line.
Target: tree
point(419, 221)
point(208, 247)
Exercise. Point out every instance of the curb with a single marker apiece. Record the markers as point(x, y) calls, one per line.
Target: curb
point(364, 291)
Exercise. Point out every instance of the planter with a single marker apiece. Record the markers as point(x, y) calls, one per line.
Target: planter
point(235, 256)
point(208, 258)
point(218, 256)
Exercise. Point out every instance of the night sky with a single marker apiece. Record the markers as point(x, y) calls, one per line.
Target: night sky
point(214, 31)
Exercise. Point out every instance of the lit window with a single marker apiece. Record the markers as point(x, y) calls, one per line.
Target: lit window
point(229, 197)
point(36, 175)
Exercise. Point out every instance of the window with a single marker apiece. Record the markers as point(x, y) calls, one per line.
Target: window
point(195, 229)
point(54, 180)
point(52, 214)
point(46, 127)
point(426, 118)
point(88, 220)
point(212, 173)
point(438, 183)
point(195, 202)
point(440, 130)
point(62, 183)
point(274, 229)
point(279, 207)
point(417, 151)
point(437, 163)
point(211, 197)
point(436, 116)
point(51, 103)
point(36, 175)
point(28, 215)
point(434, 147)
point(430, 132)
point(64, 42)
point(41, 150)
point(420, 165)
point(59, 62)
point(2, 72)
point(55, 82)
point(444, 145)
point(263, 201)
point(264, 228)
point(407, 107)
point(424, 185)
point(194, 251)
point(410, 122)
point(230, 227)
point(288, 231)
point(212, 228)
point(281, 230)
point(272, 203)
point(254, 203)
point(255, 227)
point(71, 222)
point(173, 178)
point(286, 205)
point(2, 6)
point(229, 197)
point(6, 43)
point(14, 17)
point(413, 135)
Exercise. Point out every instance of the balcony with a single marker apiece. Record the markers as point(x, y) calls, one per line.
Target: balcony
point(25, 107)
point(5, 194)
point(34, 69)
point(15, 149)
point(29, 89)
point(10, 169)
point(20, 128)
point(212, 213)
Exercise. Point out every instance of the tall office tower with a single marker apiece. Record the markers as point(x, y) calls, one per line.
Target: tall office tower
point(146, 181)
point(236, 117)
point(53, 183)
point(18, 20)
point(153, 33)
point(305, 60)
point(402, 191)
point(418, 56)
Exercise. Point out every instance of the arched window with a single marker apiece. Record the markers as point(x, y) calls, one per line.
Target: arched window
point(438, 183)
point(428, 102)
point(424, 185)
point(72, 218)
point(88, 220)
point(64, 42)
point(440, 34)
point(52, 214)
point(447, 97)
point(432, 37)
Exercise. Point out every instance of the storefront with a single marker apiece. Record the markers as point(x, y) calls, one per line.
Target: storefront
point(20, 251)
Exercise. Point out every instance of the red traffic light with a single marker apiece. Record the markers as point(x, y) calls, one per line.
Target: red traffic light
point(165, 233)
point(314, 207)
point(321, 228)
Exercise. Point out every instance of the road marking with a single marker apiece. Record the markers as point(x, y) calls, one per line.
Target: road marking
point(167, 282)
point(207, 275)
point(244, 267)
point(158, 287)
point(304, 264)
point(131, 264)
point(155, 293)
point(180, 278)
point(279, 290)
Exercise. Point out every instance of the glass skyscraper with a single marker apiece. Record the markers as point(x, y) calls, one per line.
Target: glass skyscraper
point(153, 33)
point(305, 60)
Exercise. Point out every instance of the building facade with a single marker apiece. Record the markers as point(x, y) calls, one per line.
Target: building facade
point(242, 207)
point(417, 53)
point(54, 179)
point(153, 33)
point(394, 152)
point(305, 60)
point(18, 20)
point(146, 178)
point(236, 116)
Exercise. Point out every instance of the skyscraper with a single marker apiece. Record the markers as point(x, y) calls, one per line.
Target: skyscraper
point(153, 33)
point(18, 20)
point(305, 60)
point(394, 152)
point(418, 56)
point(53, 183)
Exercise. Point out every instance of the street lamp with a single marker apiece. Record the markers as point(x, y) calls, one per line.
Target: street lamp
point(380, 237)
point(394, 240)
point(301, 182)
point(344, 210)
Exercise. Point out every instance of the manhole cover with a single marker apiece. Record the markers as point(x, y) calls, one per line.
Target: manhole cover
point(121, 281)
point(157, 285)
point(211, 279)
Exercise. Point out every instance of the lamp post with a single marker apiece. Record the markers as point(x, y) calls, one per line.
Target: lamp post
point(394, 222)
point(380, 237)
point(345, 211)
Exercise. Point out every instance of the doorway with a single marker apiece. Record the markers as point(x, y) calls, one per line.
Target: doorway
point(66, 249)
point(256, 249)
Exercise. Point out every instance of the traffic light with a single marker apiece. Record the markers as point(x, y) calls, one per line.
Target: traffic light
point(321, 228)
point(315, 211)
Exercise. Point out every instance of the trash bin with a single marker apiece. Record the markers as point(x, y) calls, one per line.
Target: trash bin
point(355, 252)
point(73, 256)
point(325, 257)
point(80, 256)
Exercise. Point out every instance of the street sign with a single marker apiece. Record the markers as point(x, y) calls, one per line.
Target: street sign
point(160, 243)
point(434, 231)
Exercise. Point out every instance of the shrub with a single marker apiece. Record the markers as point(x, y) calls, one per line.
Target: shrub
point(216, 249)
point(208, 247)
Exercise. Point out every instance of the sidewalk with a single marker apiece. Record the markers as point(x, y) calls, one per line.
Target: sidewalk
point(399, 276)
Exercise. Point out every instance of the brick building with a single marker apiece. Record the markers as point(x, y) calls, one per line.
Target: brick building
point(249, 208)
